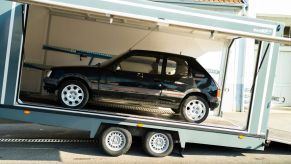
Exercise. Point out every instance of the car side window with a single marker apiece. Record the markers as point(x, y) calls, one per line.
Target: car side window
point(141, 64)
point(177, 66)
point(171, 67)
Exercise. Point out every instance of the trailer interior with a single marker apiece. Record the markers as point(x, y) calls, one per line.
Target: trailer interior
point(96, 33)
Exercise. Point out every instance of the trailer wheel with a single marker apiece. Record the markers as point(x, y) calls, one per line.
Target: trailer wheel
point(195, 109)
point(115, 141)
point(158, 144)
point(73, 94)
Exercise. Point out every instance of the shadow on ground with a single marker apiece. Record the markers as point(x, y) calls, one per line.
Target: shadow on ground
point(274, 148)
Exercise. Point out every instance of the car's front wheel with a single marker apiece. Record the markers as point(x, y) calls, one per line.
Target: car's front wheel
point(195, 109)
point(73, 94)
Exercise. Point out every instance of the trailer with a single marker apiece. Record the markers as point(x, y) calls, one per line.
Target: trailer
point(115, 130)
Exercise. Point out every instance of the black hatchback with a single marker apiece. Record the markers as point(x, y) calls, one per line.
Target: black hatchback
point(145, 77)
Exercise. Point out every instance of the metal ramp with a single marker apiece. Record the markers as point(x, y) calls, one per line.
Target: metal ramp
point(124, 108)
point(280, 125)
point(281, 136)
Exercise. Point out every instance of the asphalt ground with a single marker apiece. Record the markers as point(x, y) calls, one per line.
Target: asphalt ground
point(90, 152)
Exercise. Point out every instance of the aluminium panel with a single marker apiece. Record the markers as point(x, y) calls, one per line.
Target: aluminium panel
point(14, 60)
point(90, 123)
point(11, 59)
point(5, 40)
point(171, 15)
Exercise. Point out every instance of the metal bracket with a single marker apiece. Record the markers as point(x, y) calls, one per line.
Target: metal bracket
point(181, 151)
point(267, 142)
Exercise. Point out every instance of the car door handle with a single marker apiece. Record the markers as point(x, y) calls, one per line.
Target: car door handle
point(140, 75)
point(168, 81)
point(157, 80)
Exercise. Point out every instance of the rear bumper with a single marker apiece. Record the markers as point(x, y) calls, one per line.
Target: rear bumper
point(50, 85)
point(214, 103)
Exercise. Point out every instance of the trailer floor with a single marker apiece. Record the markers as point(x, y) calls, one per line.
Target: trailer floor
point(123, 108)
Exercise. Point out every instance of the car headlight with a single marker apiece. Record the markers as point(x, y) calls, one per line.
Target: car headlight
point(48, 74)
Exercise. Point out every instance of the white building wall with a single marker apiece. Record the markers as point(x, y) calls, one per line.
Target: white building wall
point(282, 85)
point(279, 8)
point(280, 11)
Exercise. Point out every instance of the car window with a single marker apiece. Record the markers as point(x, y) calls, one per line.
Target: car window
point(171, 67)
point(142, 64)
point(176, 66)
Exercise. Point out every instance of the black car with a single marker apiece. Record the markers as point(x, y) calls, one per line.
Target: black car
point(156, 78)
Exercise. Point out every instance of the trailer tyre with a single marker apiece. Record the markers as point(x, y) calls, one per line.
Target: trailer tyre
point(115, 141)
point(158, 144)
point(73, 94)
point(195, 109)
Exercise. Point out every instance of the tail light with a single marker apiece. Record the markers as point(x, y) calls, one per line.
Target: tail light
point(218, 93)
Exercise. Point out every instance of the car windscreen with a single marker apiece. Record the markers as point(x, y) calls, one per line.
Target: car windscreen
point(114, 58)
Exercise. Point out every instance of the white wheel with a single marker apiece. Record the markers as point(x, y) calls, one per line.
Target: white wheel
point(195, 110)
point(158, 144)
point(72, 95)
point(115, 141)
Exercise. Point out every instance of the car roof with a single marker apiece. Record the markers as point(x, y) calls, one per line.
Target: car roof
point(164, 53)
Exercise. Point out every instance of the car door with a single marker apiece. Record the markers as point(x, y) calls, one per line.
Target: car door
point(134, 77)
point(176, 81)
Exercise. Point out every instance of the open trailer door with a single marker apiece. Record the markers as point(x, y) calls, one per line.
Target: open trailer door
point(168, 18)
point(169, 15)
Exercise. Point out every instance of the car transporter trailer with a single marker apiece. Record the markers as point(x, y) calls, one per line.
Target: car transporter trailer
point(115, 130)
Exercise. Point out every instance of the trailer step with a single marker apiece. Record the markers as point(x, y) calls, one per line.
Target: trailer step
point(19, 140)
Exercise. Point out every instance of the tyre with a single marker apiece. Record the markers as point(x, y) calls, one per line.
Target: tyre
point(158, 144)
point(195, 109)
point(115, 141)
point(73, 94)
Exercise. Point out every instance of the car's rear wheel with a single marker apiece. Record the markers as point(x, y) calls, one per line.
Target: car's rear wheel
point(73, 94)
point(195, 109)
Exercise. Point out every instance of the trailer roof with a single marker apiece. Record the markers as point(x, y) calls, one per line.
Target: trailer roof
point(172, 15)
